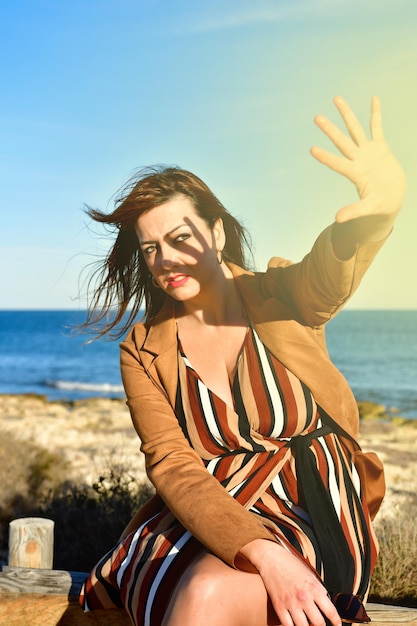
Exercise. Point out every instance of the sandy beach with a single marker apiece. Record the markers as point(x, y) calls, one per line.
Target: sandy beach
point(92, 435)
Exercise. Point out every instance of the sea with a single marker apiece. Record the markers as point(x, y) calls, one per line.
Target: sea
point(41, 352)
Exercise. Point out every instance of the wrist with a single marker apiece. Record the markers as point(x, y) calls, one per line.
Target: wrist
point(256, 553)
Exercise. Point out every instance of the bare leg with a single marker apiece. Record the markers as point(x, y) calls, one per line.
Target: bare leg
point(212, 593)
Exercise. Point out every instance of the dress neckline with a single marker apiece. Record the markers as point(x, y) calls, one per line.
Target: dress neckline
point(249, 334)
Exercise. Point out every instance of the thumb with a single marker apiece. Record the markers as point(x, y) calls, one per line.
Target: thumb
point(356, 209)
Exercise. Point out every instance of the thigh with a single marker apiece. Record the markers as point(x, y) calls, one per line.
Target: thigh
point(211, 592)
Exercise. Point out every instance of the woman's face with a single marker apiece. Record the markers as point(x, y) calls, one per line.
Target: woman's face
point(179, 247)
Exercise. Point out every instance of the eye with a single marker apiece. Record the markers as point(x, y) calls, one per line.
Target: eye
point(147, 250)
point(182, 237)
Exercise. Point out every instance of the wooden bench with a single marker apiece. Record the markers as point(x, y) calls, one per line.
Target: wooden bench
point(42, 597)
point(39, 597)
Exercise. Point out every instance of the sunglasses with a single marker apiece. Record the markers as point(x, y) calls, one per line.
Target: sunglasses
point(350, 609)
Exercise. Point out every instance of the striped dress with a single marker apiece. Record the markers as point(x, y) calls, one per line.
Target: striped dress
point(275, 453)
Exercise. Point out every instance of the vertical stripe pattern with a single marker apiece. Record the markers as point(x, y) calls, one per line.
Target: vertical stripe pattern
point(251, 448)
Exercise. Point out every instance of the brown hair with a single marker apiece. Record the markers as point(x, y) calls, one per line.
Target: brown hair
point(123, 277)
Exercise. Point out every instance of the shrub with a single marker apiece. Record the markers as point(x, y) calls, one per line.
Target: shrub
point(26, 474)
point(395, 577)
point(90, 519)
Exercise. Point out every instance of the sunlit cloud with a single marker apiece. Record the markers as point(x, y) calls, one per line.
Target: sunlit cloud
point(236, 15)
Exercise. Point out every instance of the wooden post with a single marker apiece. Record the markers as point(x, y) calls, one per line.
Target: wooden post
point(31, 542)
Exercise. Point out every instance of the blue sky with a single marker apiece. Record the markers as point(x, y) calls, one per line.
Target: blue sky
point(92, 90)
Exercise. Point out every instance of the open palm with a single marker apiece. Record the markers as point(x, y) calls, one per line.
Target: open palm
point(368, 163)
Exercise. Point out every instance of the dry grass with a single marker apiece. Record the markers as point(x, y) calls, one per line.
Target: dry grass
point(395, 576)
point(26, 473)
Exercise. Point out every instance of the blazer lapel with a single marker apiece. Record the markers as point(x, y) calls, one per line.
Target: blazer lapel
point(159, 352)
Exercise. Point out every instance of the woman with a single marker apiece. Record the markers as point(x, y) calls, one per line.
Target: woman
point(263, 498)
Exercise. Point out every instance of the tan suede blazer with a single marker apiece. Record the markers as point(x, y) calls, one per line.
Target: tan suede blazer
point(288, 307)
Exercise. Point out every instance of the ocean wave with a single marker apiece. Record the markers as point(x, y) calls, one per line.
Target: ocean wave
point(65, 385)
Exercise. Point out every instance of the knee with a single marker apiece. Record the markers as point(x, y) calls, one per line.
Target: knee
point(201, 589)
point(211, 593)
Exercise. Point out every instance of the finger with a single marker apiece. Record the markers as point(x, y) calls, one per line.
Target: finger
point(335, 162)
point(284, 617)
point(328, 609)
point(377, 131)
point(351, 121)
point(300, 618)
point(314, 615)
point(340, 140)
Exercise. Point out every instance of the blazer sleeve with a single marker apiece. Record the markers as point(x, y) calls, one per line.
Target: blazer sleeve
point(316, 288)
point(180, 478)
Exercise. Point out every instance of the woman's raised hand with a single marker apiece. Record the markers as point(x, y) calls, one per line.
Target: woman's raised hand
point(368, 163)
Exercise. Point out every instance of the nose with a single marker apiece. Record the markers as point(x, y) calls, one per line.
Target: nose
point(167, 256)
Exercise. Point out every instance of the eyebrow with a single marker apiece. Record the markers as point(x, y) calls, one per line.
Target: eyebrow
point(143, 243)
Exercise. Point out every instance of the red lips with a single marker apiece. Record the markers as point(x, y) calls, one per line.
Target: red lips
point(177, 280)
